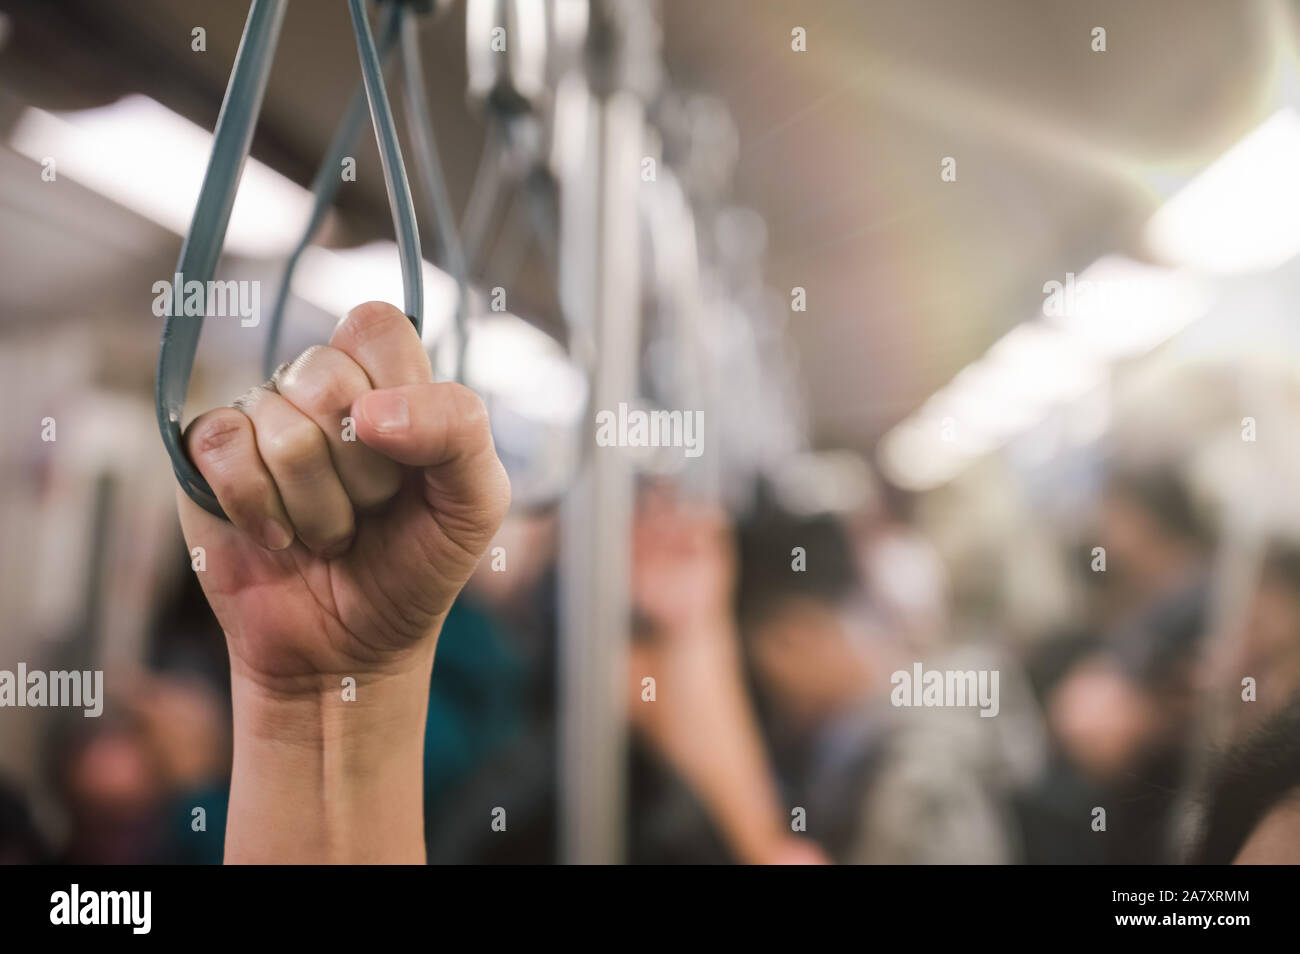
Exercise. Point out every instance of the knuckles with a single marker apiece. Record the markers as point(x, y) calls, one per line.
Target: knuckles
point(320, 381)
point(472, 414)
point(319, 384)
point(249, 493)
point(297, 450)
point(371, 320)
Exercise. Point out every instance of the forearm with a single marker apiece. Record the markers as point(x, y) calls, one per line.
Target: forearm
point(739, 788)
point(318, 779)
point(723, 755)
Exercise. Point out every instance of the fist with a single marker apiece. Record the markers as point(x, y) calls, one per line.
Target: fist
point(683, 564)
point(361, 495)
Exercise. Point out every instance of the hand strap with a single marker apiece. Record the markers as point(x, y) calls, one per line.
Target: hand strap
point(207, 233)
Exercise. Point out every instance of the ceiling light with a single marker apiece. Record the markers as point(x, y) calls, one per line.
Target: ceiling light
point(1119, 307)
point(151, 160)
point(1241, 214)
point(337, 280)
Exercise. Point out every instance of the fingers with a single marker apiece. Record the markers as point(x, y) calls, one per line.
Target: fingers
point(297, 456)
point(223, 447)
point(322, 383)
point(443, 428)
point(427, 425)
point(385, 344)
point(282, 461)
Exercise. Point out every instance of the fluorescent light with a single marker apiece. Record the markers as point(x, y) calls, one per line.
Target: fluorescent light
point(985, 399)
point(1242, 214)
point(1119, 307)
point(1042, 364)
point(514, 362)
point(1034, 367)
point(914, 457)
point(336, 281)
point(147, 158)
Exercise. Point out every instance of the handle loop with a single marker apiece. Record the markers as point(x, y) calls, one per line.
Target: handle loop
point(202, 247)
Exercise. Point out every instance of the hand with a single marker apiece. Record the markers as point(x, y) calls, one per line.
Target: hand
point(343, 556)
point(683, 565)
point(341, 559)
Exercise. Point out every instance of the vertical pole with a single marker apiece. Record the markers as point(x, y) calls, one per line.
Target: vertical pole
point(600, 285)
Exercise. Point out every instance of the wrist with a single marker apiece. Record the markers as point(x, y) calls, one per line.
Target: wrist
point(344, 706)
point(328, 771)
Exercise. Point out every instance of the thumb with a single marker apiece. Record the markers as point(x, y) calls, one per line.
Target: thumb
point(442, 428)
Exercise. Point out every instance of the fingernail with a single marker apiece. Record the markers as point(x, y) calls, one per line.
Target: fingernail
point(388, 412)
point(276, 535)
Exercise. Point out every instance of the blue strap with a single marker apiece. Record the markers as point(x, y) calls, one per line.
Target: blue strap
point(425, 148)
point(207, 233)
point(202, 247)
point(390, 155)
point(326, 185)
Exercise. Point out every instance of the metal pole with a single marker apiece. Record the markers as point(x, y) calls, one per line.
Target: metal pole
point(600, 287)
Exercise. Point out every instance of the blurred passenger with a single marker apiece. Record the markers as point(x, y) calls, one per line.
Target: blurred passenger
point(477, 703)
point(490, 734)
point(114, 797)
point(700, 786)
point(902, 572)
point(1268, 648)
point(1121, 710)
point(515, 585)
point(687, 690)
point(1253, 801)
point(880, 784)
point(1156, 546)
point(132, 783)
point(184, 725)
